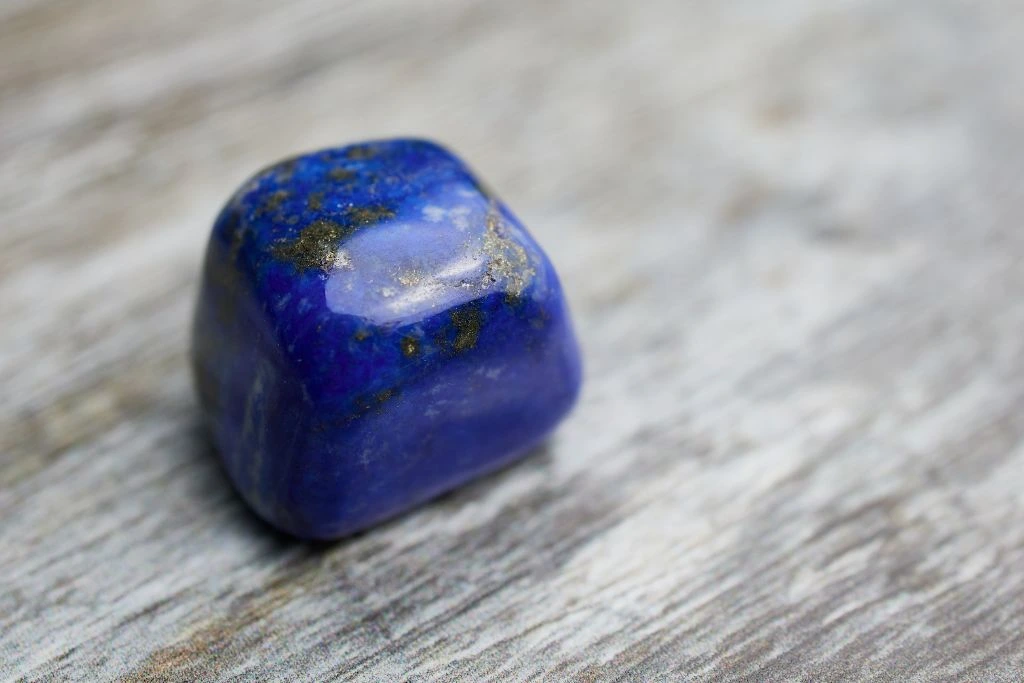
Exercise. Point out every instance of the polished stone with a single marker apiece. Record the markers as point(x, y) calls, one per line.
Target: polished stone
point(375, 328)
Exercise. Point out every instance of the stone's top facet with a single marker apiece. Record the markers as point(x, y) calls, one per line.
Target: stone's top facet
point(369, 316)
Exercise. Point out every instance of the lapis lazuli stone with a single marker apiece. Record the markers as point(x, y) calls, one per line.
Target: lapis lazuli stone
point(374, 328)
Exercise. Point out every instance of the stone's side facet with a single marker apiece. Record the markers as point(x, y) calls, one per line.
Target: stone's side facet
point(375, 328)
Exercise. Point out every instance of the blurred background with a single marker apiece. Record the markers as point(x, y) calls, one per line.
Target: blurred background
point(791, 236)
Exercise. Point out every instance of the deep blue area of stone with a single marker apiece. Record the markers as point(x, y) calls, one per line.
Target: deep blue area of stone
point(374, 328)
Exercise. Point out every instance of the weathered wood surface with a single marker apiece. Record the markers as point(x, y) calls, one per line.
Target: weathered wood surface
point(792, 235)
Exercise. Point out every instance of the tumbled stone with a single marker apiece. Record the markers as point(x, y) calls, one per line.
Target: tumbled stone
point(374, 328)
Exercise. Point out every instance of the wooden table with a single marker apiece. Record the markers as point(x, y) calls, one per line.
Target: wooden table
point(792, 236)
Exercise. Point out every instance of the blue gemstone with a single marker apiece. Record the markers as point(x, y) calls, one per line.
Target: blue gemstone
point(375, 328)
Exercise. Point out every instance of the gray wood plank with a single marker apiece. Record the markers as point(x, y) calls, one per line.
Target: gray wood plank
point(791, 233)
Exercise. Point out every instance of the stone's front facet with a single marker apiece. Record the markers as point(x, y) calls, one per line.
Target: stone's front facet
point(375, 328)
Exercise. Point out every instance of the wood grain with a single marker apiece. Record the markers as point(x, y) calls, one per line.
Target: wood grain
point(791, 233)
